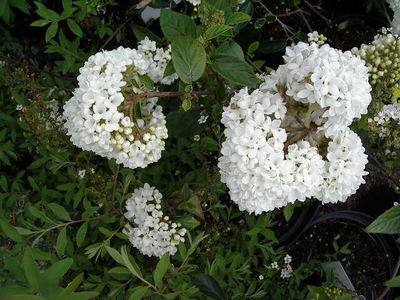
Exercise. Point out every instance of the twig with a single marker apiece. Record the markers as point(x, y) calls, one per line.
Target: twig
point(327, 21)
point(305, 21)
point(285, 27)
point(298, 10)
point(307, 118)
point(385, 12)
point(299, 136)
point(35, 68)
point(116, 31)
point(391, 177)
point(254, 65)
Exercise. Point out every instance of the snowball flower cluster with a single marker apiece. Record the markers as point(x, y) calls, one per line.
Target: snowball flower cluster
point(153, 233)
point(395, 6)
point(107, 116)
point(383, 58)
point(289, 140)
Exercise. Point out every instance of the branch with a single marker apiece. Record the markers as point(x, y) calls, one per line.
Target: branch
point(116, 31)
point(391, 177)
point(328, 22)
point(285, 27)
point(305, 21)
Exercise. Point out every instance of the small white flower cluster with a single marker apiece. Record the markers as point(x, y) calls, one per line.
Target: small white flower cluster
point(383, 58)
point(395, 6)
point(19, 107)
point(195, 2)
point(52, 116)
point(390, 112)
point(154, 234)
point(286, 271)
point(268, 160)
point(202, 119)
point(82, 173)
point(99, 118)
point(315, 37)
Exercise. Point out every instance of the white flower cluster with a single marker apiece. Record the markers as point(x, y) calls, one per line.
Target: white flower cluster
point(19, 107)
point(270, 158)
point(315, 37)
point(382, 120)
point(100, 116)
point(395, 6)
point(52, 116)
point(286, 270)
point(154, 234)
point(382, 57)
point(197, 2)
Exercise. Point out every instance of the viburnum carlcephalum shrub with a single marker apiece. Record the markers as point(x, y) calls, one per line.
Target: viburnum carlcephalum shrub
point(289, 140)
point(106, 115)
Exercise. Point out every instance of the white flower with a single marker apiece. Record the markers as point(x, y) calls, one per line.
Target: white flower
point(99, 117)
point(287, 259)
point(81, 173)
point(19, 107)
point(274, 265)
point(196, 138)
point(195, 2)
point(261, 277)
point(152, 233)
point(202, 119)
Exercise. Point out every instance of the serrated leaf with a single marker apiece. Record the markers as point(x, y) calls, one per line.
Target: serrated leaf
point(231, 48)
point(208, 285)
point(388, 222)
point(59, 211)
point(161, 269)
point(80, 235)
point(237, 18)
point(11, 232)
point(174, 23)
point(234, 69)
point(216, 30)
point(188, 57)
point(61, 241)
point(74, 27)
point(141, 32)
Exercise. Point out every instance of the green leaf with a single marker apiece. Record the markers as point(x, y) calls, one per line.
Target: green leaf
point(395, 282)
point(139, 293)
point(216, 30)
point(51, 31)
point(3, 5)
point(66, 187)
point(18, 291)
point(59, 211)
point(40, 23)
point(186, 104)
point(237, 18)
point(208, 285)
point(119, 270)
point(388, 222)
point(160, 270)
point(61, 241)
point(11, 232)
point(80, 235)
point(39, 162)
point(141, 32)
point(259, 23)
point(146, 81)
point(270, 18)
point(253, 47)
point(53, 274)
point(174, 23)
point(115, 255)
point(272, 46)
point(14, 266)
point(288, 211)
point(189, 58)
point(130, 263)
point(234, 69)
point(83, 295)
point(231, 48)
point(74, 27)
point(38, 214)
point(70, 288)
point(31, 269)
point(47, 13)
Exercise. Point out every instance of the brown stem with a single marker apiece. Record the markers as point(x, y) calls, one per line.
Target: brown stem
point(391, 177)
point(298, 10)
point(328, 22)
point(254, 65)
point(307, 118)
point(35, 68)
point(285, 27)
point(116, 31)
point(299, 136)
point(289, 129)
point(305, 21)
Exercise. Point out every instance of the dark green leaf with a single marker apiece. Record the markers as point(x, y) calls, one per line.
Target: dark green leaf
point(53, 274)
point(259, 23)
point(40, 23)
point(160, 270)
point(189, 58)
point(288, 211)
point(272, 46)
point(51, 31)
point(14, 266)
point(59, 211)
point(237, 18)
point(80, 235)
point(37, 163)
point(174, 23)
point(208, 285)
point(141, 32)
point(139, 293)
point(31, 269)
point(74, 27)
point(70, 288)
point(388, 222)
point(119, 270)
point(146, 81)
point(11, 232)
point(248, 8)
point(216, 30)
point(234, 69)
point(169, 69)
point(61, 241)
point(395, 282)
point(231, 48)
point(83, 295)
point(66, 187)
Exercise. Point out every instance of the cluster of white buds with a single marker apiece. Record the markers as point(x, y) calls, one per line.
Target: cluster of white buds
point(315, 37)
point(289, 140)
point(110, 117)
point(383, 58)
point(153, 233)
